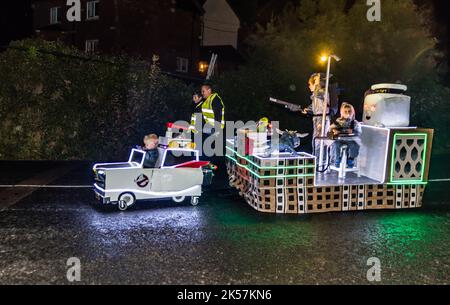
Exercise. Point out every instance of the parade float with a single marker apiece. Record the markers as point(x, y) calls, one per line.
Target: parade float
point(178, 174)
point(391, 170)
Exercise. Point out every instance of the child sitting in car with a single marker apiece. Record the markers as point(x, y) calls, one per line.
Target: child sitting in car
point(345, 125)
point(151, 149)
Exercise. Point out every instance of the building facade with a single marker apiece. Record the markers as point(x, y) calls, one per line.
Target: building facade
point(171, 29)
point(221, 24)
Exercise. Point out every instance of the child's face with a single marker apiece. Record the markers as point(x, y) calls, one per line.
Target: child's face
point(151, 144)
point(347, 113)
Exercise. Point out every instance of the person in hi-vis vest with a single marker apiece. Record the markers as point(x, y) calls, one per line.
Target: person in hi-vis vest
point(211, 108)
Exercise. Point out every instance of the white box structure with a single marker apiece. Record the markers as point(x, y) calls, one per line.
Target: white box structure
point(387, 106)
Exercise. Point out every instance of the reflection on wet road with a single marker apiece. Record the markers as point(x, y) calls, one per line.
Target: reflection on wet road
point(220, 241)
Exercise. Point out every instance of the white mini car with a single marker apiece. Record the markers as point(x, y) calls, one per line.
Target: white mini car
point(178, 174)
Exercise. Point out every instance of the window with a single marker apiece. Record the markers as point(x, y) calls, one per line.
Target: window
point(92, 9)
point(203, 67)
point(55, 15)
point(182, 64)
point(91, 46)
point(137, 157)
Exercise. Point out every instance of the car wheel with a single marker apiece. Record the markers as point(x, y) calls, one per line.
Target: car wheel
point(194, 201)
point(126, 200)
point(179, 199)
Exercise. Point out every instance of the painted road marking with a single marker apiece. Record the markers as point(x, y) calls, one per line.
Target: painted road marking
point(439, 180)
point(10, 196)
point(6, 186)
point(44, 186)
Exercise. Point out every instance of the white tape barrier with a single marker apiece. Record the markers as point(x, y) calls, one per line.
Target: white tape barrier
point(43, 186)
point(90, 186)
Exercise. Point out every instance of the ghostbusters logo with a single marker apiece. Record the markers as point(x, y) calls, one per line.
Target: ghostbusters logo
point(142, 180)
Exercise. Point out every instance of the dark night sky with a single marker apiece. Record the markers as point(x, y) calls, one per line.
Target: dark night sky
point(15, 20)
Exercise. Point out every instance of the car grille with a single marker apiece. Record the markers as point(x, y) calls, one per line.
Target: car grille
point(100, 180)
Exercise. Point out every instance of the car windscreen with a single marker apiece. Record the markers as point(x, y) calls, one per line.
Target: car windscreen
point(177, 157)
point(137, 156)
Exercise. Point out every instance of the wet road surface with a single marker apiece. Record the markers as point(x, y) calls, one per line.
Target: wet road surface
point(221, 241)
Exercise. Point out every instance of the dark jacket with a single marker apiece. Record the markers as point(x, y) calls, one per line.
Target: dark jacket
point(151, 157)
point(343, 125)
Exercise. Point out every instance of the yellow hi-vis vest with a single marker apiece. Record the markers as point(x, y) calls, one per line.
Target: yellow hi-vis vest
point(208, 112)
